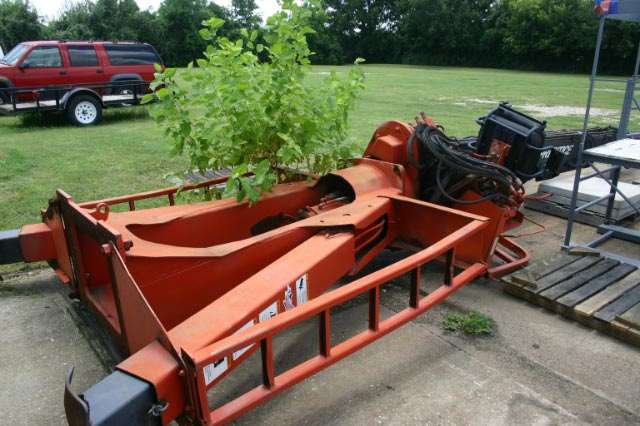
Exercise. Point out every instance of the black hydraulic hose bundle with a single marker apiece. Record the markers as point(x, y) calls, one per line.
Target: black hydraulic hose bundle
point(448, 169)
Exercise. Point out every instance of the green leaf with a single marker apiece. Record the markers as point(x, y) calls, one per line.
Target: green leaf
point(263, 167)
point(250, 191)
point(147, 98)
point(241, 194)
point(216, 22)
point(242, 169)
point(205, 34)
point(163, 93)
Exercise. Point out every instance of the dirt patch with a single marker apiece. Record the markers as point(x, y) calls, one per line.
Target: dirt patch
point(610, 90)
point(563, 111)
point(545, 111)
point(483, 101)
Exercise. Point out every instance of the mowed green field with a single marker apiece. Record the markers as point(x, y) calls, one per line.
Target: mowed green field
point(128, 152)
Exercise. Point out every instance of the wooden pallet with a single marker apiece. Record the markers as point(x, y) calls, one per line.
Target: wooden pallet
point(588, 217)
point(596, 291)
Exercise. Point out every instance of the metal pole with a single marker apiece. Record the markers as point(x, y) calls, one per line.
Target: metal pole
point(578, 147)
point(623, 125)
point(629, 99)
point(637, 67)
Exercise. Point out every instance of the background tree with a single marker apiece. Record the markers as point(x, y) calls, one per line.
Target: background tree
point(535, 33)
point(244, 14)
point(324, 42)
point(180, 21)
point(620, 45)
point(105, 20)
point(115, 20)
point(441, 32)
point(365, 28)
point(19, 21)
point(520, 34)
point(74, 23)
point(149, 29)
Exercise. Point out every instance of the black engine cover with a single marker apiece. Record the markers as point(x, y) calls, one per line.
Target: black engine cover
point(524, 134)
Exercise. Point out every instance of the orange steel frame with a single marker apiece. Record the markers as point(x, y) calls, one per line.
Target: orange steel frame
point(190, 291)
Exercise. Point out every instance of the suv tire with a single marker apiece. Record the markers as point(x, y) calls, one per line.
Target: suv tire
point(84, 110)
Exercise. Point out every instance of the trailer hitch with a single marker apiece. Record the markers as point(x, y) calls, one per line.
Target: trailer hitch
point(118, 399)
point(10, 251)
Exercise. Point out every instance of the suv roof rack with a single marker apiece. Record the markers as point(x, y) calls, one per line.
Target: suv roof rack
point(98, 41)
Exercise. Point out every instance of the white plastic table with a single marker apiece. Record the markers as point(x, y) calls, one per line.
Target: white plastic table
point(620, 153)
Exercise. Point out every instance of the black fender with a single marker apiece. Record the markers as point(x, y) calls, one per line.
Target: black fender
point(126, 76)
point(79, 90)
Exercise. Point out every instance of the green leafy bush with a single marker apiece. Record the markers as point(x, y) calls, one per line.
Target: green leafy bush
point(469, 323)
point(249, 105)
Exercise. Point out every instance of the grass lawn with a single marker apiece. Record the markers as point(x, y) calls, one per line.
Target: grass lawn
point(128, 153)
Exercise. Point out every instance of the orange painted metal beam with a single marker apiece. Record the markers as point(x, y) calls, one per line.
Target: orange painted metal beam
point(36, 243)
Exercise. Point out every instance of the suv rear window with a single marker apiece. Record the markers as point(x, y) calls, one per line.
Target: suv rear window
point(132, 54)
point(82, 56)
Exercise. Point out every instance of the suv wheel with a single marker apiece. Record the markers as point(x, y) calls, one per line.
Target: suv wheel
point(4, 98)
point(84, 110)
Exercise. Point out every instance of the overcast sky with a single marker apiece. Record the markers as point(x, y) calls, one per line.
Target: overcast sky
point(51, 8)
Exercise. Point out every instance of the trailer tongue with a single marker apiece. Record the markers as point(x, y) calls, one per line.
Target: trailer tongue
point(189, 292)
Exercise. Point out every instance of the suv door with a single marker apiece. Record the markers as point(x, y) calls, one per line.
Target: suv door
point(84, 67)
point(42, 67)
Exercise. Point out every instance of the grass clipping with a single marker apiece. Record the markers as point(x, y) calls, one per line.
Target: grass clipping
point(471, 323)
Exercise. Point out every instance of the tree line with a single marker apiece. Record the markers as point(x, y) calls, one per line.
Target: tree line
point(547, 35)
point(172, 29)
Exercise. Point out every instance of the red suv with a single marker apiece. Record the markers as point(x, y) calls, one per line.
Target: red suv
point(84, 71)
